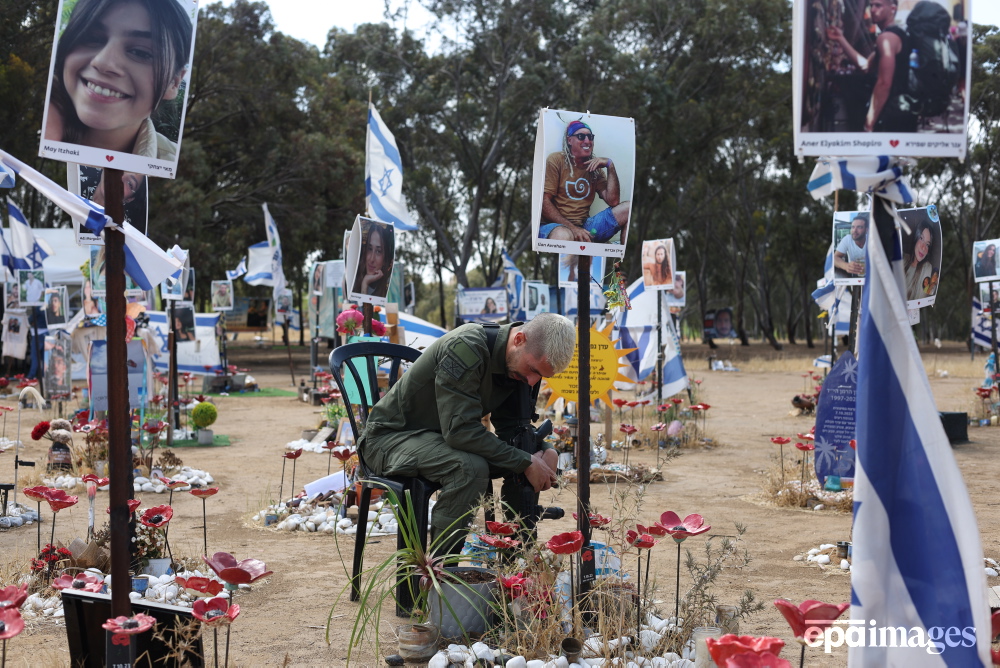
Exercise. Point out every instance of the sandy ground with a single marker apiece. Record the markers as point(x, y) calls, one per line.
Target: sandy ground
point(283, 619)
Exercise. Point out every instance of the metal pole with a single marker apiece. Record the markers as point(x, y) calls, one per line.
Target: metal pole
point(993, 329)
point(119, 427)
point(587, 572)
point(659, 347)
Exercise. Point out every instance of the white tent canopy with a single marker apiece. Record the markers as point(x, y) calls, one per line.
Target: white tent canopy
point(62, 266)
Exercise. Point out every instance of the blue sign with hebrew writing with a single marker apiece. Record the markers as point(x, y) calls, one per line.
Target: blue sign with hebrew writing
point(835, 422)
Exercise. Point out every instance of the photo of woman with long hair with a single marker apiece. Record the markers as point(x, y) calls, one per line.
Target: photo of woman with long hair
point(918, 259)
point(375, 261)
point(657, 258)
point(986, 261)
point(116, 63)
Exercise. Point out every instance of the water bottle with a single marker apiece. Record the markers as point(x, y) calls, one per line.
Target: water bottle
point(914, 60)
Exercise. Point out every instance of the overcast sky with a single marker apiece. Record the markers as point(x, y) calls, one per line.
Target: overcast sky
point(310, 20)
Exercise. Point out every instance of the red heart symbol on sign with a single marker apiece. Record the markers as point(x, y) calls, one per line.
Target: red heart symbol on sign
point(582, 247)
point(894, 143)
point(109, 158)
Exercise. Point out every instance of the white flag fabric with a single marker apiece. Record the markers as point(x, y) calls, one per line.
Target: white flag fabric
point(259, 265)
point(637, 329)
point(274, 247)
point(24, 250)
point(981, 322)
point(515, 284)
point(878, 174)
point(241, 269)
point(918, 562)
point(384, 176)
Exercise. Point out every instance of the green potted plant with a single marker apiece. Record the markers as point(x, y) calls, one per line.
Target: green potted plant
point(204, 415)
point(430, 570)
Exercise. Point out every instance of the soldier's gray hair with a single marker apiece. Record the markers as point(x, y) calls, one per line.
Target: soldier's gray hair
point(553, 337)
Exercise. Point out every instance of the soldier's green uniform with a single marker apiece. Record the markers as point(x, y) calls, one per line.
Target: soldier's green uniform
point(429, 423)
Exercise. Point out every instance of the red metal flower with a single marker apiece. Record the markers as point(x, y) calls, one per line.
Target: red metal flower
point(39, 430)
point(233, 572)
point(565, 543)
point(780, 440)
point(809, 614)
point(36, 493)
point(133, 505)
point(81, 582)
point(198, 586)
point(662, 408)
point(140, 623)
point(619, 402)
point(633, 404)
point(215, 611)
point(596, 520)
point(171, 483)
point(343, 453)
point(502, 528)
point(13, 596)
point(806, 437)
point(100, 482)
point(995, 624)
point(154, 426)
point(206, 492)
point(730, 645)
point(10, 623)
point(515, 584)
point(499, 542)
point(628, 429)
point(156, 516)
point(59, 499)
point(805, 447)
point(751, 660)
point(642, 541)
point(294, 454)
point(692, 525)
point(677, 401)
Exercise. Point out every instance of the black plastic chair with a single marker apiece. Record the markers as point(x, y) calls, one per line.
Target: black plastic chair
point(368, 355)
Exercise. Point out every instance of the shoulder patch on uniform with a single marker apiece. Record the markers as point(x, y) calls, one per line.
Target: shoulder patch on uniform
point(459, 359)
point(465, 353)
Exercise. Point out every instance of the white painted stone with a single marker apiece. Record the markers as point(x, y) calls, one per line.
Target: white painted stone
point(845, 565)
point(439, 660)
point(822, 559)
point(515, 662)
point(534, 663)
point(827, 546)
point(815, 550)
point(146, 487)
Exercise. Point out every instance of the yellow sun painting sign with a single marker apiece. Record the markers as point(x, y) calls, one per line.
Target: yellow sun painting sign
point(604, 363)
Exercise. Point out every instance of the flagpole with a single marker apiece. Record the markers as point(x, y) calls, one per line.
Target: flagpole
point(587, 565)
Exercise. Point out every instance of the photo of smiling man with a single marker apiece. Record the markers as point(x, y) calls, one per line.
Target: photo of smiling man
point(118, 82)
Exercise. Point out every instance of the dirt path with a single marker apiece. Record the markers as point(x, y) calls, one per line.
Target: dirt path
point(285, 617)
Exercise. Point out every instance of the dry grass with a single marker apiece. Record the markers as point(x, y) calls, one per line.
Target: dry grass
point(788, 492)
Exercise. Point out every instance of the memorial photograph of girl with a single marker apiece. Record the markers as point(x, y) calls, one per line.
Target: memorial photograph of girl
point(375, 261)
point(117, 66)
point(921, 254)
point(657, 263)
point(985, 259)
point(490, 306)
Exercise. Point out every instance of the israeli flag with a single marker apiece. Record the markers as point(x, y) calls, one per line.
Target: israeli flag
point(515, 284)
point(6, 176)
point(918, 561)
point(7, 259)
point(877, 174)
point(241, 269)
point(834, 299)
point(981, 322)
point(637, 329)
point(25, 251)
point(145, 262)
point(384, 176)
point(274, 248)
point(259, 265)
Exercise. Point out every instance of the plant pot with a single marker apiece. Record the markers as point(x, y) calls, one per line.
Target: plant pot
point(417, 642)
point(376, 492)
point(205, 436)
point(471, 604)
point(140, 583)
point(157, 567)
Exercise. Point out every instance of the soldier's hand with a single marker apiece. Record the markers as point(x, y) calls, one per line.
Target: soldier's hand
point(539, 474)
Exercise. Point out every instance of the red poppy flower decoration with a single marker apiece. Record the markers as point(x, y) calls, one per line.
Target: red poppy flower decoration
point(805, 447)
point(780, 440)
point(39, 430)
point(133, 505)
point(565, 543)
point(37, 493)
point(501, 528)
point(809, 613)
point(619, 402)
point(643, 541)
point(81, 582)
point(499, 542)
point(751, 660)
point(633, 404)
point(995, 623)
point(198, 586)
point(805, 437)
point(730, 645)
point(343, 453)
point(156, 516)
point(294, 454)
point(59, 499)
point(662, 408)
point(100, 482)
point(206, 492)
point(13, 596)
point(628, 429)
point(692, 525)
point(597, 521)
point(171, 483)
point(655, 529)
point(234, 572)
point(10, 623)
point(215, 611)
point(140, 623)
point(515, 584)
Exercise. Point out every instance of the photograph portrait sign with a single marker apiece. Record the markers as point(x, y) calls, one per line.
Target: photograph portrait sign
point(370, 258)
point(658, 263)
point(582, 180)
point(56, 306)
point(31, 287)
point(849, 101)
point(719, 324)
point(222, 295)
point(118, 84)
point(985, 266)
point(482, 304)
point(333, 274)
point(316, 280)
point(567, 270)
point(850, 234)
point(676, 297)
point(921, 255)
point(57, 366)
point(88, 183)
